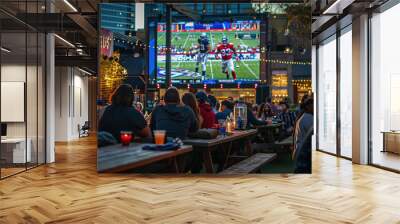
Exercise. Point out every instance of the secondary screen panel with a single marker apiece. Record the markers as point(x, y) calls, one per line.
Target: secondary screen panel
point(211, 51)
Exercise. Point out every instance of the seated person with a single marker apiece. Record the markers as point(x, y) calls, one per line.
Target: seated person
point(274, 109)
point(206, 110)
point(287, 118)
point(226, 110)
point(251, 118)
point(302, 137)
point(176, 119)
point(265, 112)
point(213, 103)
point(122, 116)
point(189, 99)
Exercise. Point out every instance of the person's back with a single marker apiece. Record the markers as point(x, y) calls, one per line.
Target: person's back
point(302, 157)
point(117, 118)
point(302, 138)
point(304, 124)
point(177, 120)
point(208, 115)
point(122, 116)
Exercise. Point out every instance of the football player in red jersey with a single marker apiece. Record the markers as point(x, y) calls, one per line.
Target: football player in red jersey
point(226, 50)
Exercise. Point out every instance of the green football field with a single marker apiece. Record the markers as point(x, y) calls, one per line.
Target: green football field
point(245, 69)
point(186, 39)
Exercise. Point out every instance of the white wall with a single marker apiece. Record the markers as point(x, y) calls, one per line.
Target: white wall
point(71, 102)
point(33, 127)
point(13, 73)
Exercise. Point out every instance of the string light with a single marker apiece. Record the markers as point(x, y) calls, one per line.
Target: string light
point(286, 62)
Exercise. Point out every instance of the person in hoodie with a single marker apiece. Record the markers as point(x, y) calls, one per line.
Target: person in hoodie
point(206, 110)
point(176, 119)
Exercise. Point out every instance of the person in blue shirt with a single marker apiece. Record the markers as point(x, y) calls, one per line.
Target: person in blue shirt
point(226, 110)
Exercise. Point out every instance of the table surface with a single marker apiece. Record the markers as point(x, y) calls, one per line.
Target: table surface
point(269, 125)
point(119, 158)
point(196, 142)
point(391, 132)
point(13, 140)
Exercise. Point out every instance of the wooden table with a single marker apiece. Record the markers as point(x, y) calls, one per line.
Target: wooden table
point(391, 141)
point(269, 131)
point(117, 158)
point(206, 146)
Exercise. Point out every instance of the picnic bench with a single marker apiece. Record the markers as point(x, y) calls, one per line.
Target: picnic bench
point(250, 165)
point(222, 142)
point(285, 144)
point(118, 158)
point(269, 132)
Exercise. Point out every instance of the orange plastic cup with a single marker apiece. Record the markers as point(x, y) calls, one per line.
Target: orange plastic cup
point(159, 137)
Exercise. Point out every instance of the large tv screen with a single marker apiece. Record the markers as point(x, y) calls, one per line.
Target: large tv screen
point(211, 51)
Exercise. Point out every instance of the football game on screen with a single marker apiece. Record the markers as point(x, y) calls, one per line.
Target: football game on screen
point(211, 51)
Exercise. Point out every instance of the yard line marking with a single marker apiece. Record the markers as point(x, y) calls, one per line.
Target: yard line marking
point(212, 48)
point(247, 66)
point(184, 44)
point(250, 70)
point(212, 73)
point(187, 38)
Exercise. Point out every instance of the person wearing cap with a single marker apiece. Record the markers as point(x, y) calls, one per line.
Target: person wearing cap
point(205, 110)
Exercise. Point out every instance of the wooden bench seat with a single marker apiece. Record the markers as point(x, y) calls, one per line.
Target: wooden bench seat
point(250, 165)
point(285, 142)
point(285, 145)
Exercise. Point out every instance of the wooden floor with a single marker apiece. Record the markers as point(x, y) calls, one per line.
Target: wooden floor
point(387, 159)
point(70, 191)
